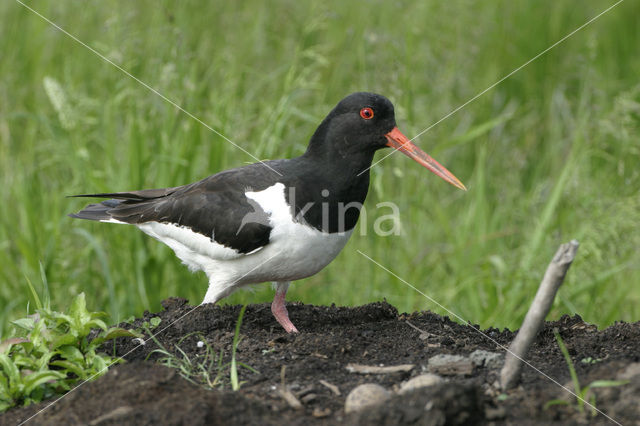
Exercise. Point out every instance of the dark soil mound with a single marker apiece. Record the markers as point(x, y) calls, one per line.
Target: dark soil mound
point(313, 365)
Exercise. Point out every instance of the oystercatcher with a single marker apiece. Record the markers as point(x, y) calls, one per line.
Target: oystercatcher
point(279, 220)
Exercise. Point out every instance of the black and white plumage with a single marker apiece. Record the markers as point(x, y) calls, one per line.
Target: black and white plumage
point(280, 220)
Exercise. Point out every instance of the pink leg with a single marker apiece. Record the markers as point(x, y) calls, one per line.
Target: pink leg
point(279, 309)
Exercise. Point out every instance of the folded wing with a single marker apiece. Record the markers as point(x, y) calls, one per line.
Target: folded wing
point(218, 212)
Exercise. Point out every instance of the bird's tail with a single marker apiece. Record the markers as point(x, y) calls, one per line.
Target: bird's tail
point(122, 207)
point(98, 211)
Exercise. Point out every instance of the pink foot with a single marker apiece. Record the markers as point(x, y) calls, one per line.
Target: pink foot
point(279, 311)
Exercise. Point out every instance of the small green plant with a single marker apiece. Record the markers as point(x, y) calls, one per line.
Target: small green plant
point(52, 351)
point(582, 392)
point(206, 369)
point(153, 323)
point(590, 360)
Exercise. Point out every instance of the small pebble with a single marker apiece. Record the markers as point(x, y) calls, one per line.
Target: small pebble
point(366, 395)
point(321, 412)
point(421, 381)
point(139, 341)
point(491, 360)
point(200, 344)
point(448, 365)
point(630, 371)
point(444, 359)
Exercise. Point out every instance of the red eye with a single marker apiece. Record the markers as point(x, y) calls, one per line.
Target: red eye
point(366, 113)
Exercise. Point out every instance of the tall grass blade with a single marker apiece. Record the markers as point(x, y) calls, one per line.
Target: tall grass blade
point(235, 384)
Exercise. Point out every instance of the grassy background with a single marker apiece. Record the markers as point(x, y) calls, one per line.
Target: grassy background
point(549, 155)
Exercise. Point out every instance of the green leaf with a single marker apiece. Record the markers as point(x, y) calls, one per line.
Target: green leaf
point(235, 385)
point(113, 333)
point(63, 322)
point(248, 367)
point(101, 365)
point(4, 406)
point(5, 345)
point(79, 313)
point(43, 362)
point(38, 378)
point(78, 309)
point(24, 323)
point(155, 321)
point(45, 284)
point(24, 361)
point(5, 392)
point(71, 353)
point(567, 357)
point(607, 383)
point(34, 293)
point(100, 314)
point(35, 396)
point(72, 367)
point(39, 336)
point(10, 369)
point(555, 402)
point(60, 318)
point(64, 340)
point(94, 323)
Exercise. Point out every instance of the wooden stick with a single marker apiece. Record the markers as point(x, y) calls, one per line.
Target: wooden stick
point(332, 388)
point(373, 369)
point(286, 394)
point(553, 278)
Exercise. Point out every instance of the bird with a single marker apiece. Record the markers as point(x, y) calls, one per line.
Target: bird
point(272, 221)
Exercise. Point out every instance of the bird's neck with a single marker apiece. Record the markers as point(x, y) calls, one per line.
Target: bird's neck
point(332, 193)
point(342, 173)
point(337, 158)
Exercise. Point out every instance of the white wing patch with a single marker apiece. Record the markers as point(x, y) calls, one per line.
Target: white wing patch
point(112, 220)
point(272, 201)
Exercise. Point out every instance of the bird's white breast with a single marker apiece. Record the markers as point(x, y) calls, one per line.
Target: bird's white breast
point(295, 250)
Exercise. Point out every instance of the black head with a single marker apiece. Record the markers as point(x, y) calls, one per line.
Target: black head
point(359, 125)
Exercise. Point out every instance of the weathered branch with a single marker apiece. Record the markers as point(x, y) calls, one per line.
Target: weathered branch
point(553, 278)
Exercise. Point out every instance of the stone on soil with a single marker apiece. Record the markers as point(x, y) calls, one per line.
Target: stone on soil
point(421, 381)
point(448, 365)
point(366, 395)
point(490, 360)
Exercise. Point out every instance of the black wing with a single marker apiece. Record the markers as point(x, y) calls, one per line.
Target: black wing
point(215, 207)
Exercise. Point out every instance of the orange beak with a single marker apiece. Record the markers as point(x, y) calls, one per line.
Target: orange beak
point(397, 140)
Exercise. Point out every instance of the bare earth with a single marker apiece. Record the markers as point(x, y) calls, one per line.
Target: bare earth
point(141, 392)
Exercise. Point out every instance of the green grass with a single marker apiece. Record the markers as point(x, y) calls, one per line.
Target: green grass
point(584, 396)
point(549, 155)
point(206, 368)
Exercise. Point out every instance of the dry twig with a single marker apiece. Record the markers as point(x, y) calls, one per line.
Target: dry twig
point(423, 334)
point(372, 369)
point(553, 278)
point(332, 388)
point(286, 394)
